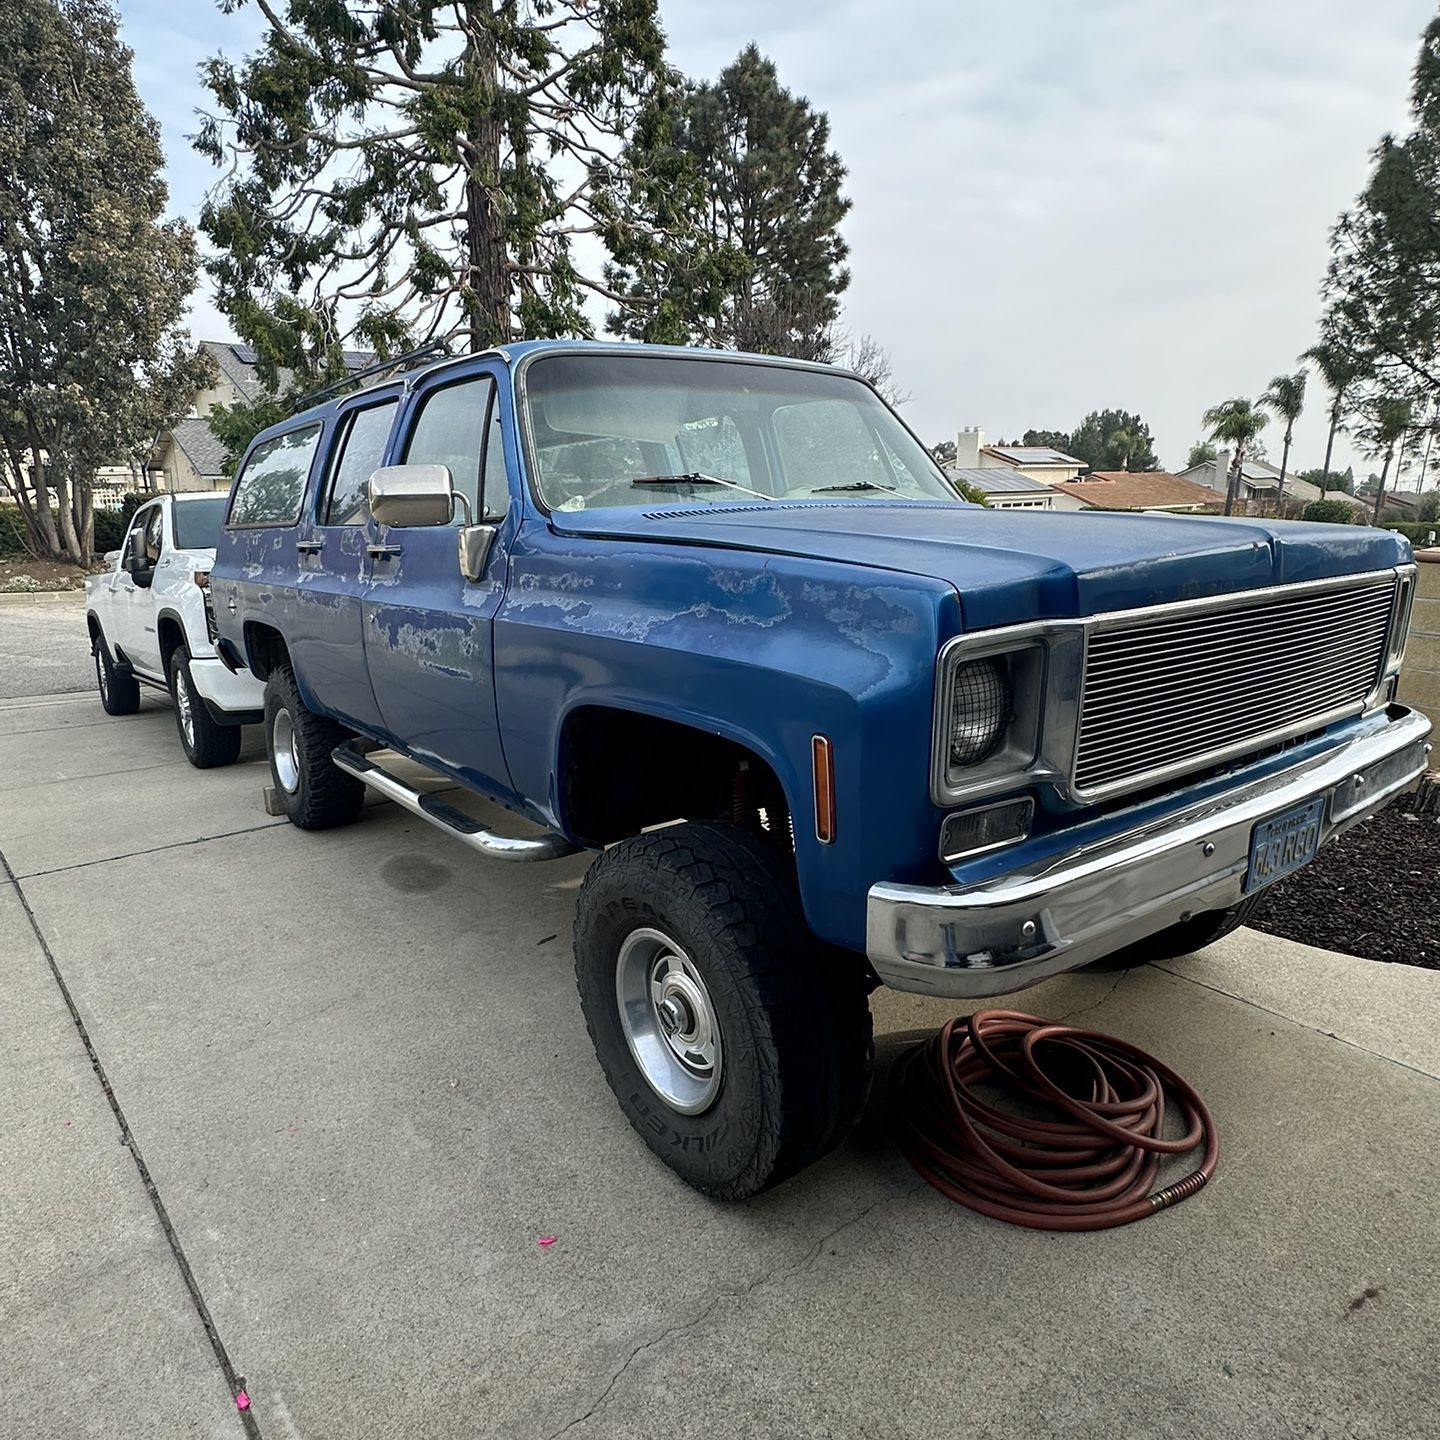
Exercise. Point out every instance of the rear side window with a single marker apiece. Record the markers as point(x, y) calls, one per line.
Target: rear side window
point(361, 451)
point(272, 483)
point(197, 522)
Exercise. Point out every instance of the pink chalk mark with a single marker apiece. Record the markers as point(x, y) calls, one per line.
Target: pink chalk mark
point(242, 1401)
point(547, 1241)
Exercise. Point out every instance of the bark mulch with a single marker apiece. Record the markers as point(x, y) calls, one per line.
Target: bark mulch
point(1374, 892)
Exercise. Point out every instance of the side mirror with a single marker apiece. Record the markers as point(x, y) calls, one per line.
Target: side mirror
point(412, 495)
point(138, 563)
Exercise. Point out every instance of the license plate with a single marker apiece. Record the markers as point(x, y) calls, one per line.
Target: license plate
point(1284, 843)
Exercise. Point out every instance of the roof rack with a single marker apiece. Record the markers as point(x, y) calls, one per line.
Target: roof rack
point(411, 358)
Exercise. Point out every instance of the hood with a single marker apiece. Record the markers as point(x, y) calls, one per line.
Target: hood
point(1010, 566)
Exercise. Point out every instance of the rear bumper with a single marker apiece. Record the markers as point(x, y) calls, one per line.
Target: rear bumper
point(1017, 929)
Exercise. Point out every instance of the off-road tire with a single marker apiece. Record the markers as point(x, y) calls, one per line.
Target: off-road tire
point(1183, 939)
point(323, 795)
point(212, 744)
point(119, 689)
point(797, 1044)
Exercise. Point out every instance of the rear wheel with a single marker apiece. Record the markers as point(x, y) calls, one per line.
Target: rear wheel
point(119, 689)
point(1183, 939)
point(738, 1048)
point(206, 743)
point(314, 792)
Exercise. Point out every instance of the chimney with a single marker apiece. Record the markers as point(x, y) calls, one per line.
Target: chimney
point(968, 444)
point(1222, 471)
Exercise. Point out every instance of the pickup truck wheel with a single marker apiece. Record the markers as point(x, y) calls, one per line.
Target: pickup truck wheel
point(119, 690)
point(1182, 939)
point(206, 744)
point(314, 792)
point(737, 1046)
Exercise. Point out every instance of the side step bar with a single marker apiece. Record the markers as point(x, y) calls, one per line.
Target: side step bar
point(353, 759)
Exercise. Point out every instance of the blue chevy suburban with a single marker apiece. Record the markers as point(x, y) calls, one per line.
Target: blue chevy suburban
point(721, 620)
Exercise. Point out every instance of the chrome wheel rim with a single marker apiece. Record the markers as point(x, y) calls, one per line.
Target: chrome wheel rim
point(669, 1021)
point(183, 708)
point(283, 752)
point(101, 678)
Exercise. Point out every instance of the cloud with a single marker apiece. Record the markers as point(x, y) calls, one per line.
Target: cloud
point(1057, 206)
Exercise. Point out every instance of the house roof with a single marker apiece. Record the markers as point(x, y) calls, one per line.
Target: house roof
point(1033, 455)
point(1139, 490)
point(1406, 499)
point(236, 362)
point(200, 446)
point(996, 481)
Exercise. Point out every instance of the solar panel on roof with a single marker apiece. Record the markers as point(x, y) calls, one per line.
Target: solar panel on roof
point(245, 354)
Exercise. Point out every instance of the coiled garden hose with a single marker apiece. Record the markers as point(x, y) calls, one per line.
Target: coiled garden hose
point(1089, 1169)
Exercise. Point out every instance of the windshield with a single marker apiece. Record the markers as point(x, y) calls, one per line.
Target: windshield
point(197, 522)
point(610, 429)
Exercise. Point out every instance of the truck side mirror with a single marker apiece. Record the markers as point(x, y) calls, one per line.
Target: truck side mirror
point(412, 495)
point(137, 562)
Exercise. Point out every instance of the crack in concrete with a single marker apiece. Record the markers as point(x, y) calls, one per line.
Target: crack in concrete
point(234, 1380)
point(1069, 1015)
point(153, 850)
point(744, 1292)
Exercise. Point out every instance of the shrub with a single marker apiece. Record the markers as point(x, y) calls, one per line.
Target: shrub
point(12, 531)
point(1329, 512)
point(111, 525)
point(1417, 532)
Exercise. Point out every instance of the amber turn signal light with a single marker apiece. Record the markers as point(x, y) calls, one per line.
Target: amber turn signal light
point(824, 762)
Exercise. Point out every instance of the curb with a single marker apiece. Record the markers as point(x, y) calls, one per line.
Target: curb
point(11, 597)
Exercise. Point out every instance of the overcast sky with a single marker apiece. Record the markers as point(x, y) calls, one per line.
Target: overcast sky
point(1058, 206)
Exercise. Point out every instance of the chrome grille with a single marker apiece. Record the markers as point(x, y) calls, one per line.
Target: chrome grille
point(1165, 694)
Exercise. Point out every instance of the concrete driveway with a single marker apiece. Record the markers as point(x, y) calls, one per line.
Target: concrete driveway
point(291, 1111)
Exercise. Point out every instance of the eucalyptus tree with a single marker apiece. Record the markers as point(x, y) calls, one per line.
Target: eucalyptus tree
point(93, 279)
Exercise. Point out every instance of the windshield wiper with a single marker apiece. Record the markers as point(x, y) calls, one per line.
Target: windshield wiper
point(698, 477)
point(855, 485)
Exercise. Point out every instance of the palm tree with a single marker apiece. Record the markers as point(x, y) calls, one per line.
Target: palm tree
point(1339, 370)
point(1286, 397)
point(1389, 420)
point(1235, 422)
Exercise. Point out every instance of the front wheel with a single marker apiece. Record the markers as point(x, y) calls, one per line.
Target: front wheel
point(206, 744)
point(738, 1048)
point(314, 792)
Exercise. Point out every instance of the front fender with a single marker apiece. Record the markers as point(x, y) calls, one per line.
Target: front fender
point(761, 650)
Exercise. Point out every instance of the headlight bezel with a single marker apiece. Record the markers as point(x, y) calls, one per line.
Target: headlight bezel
point(1043, 664)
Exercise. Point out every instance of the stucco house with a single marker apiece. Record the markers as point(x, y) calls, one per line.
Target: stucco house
point(1005, 488)
point(1036, 462)
point(188, 456)
point(1259, 481)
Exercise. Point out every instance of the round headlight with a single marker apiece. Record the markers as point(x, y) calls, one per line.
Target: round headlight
point(980, 713)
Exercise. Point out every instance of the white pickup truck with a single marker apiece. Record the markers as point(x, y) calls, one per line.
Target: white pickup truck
point(150, 624)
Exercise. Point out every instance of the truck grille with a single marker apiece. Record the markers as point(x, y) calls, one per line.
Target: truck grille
point(1166, 694)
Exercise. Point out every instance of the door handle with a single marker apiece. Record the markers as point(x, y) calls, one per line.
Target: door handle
point(309, 547)
point(382, 552)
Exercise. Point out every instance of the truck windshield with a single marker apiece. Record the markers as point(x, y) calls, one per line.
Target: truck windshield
point(608, 429)
point(197, 522)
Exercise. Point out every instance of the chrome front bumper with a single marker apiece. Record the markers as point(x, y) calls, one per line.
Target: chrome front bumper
point(1020, 928)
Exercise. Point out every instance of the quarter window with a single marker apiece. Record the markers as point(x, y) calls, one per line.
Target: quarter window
point(272, 483)
point(362, 449)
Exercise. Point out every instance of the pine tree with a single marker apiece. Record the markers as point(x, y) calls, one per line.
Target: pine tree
point(407, 170)
point(765, 269)
point(1382, 290)
point(93, 283)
